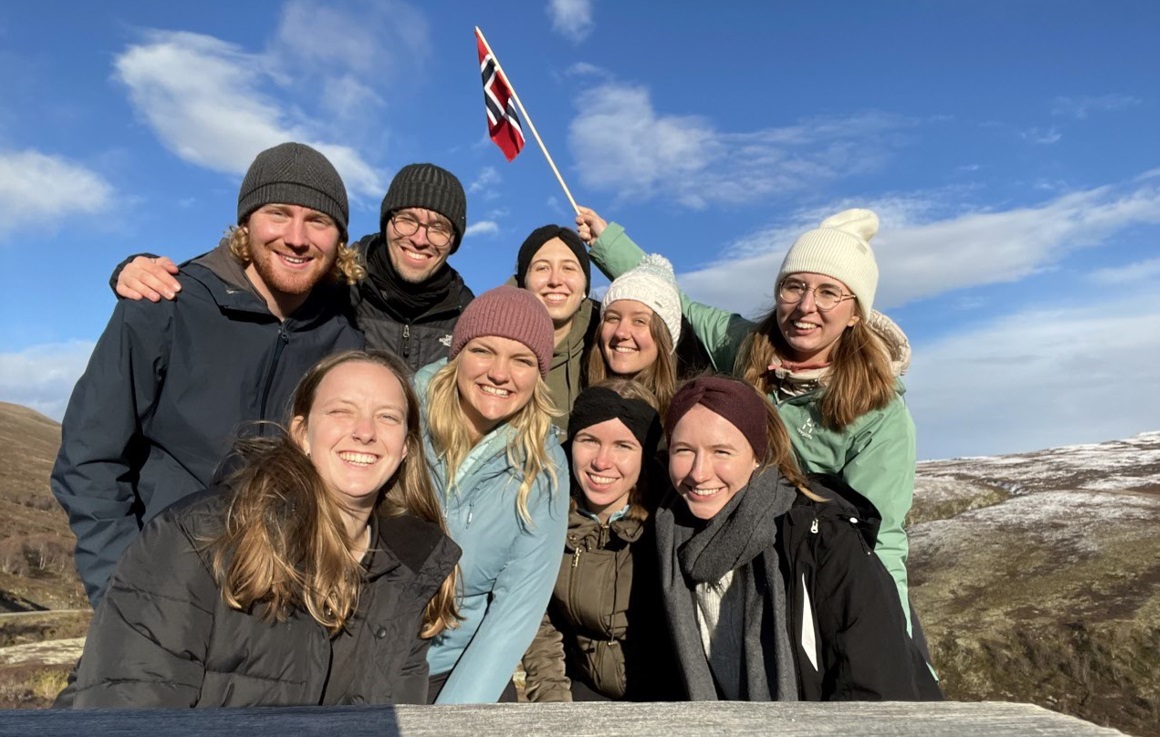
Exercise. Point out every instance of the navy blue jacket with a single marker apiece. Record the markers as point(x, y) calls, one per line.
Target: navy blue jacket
point(168, 387)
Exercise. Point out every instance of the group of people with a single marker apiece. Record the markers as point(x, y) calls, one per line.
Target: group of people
point(302, 471)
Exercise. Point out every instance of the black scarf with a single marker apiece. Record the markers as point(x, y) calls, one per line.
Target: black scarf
point(741, 538)
point(405, 297)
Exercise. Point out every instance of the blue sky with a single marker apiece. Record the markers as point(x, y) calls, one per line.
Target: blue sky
point(1010, 149)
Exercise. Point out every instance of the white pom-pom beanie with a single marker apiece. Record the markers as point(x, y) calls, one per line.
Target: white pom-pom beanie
point(840, 248)
point(653, 284)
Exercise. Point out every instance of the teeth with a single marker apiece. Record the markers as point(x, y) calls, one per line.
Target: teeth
point(604, 480)
point(359, 459)
point(494, 391)
point(416, 256)
point(804, 325)
point(555, 297)
point(624, 349)
point(704, 492)
point(295, 260)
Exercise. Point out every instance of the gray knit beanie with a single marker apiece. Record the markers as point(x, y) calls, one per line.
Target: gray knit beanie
point(294, 174)
point(432, 188)
point(839, 248)
point(651, 283)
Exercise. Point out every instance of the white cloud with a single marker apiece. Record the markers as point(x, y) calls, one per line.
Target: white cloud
point(42, 376)
point(1082, 106)
point(216, 105)
point(571, 18)
point(1148, 269)
point(483, 227)
point(621, 143)
point(39, 189)
point(488, 177)
point(1040, 378)
point(923, 252)
point(1041, 136)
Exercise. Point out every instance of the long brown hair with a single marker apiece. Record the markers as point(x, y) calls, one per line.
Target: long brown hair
point(659, 377)
point(527, 452)
point(860, 378)
point(646, 493)
point(285, 544)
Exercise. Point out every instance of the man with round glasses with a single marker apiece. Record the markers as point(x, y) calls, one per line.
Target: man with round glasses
point(411, 299)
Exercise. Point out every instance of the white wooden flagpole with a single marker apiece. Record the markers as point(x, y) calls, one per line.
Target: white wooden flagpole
point(531, 125)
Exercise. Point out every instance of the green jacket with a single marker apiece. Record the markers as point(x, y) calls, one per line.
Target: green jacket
point(602, 624)
point(875, 455)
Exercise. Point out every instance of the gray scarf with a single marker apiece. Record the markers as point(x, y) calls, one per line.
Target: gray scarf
point(741, 538)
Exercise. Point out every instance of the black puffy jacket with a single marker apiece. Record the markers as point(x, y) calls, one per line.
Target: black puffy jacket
point(164, 637)
point(417, 339)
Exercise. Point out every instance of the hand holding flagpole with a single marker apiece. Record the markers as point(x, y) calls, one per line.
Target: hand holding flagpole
point(503, 123)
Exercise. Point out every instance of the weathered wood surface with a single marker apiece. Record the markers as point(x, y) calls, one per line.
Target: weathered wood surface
point(948, 719)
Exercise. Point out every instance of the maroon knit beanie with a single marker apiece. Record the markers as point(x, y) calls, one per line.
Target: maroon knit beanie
point(736, 401)
point(508, 312)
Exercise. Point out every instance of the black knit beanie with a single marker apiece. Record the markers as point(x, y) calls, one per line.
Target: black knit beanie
point(432, 188)
point(294, 174)
point(534, 242)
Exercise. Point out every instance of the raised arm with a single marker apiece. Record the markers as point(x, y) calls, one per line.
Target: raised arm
point(720, 331)
point(519, 600)
point(101, 447)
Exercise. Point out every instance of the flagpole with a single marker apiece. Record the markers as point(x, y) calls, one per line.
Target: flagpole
point(531, 125)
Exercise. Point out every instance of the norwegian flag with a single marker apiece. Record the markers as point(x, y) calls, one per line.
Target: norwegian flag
point(503, 122)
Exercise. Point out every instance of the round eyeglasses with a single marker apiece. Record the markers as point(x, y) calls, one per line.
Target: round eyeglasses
point(438, 234)
point(826, 296)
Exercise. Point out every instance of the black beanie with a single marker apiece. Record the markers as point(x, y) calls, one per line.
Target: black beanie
point(431, 188)
point(294, 174)
point(542, 235)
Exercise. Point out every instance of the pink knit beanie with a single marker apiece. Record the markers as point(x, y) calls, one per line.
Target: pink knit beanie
point(508, 312)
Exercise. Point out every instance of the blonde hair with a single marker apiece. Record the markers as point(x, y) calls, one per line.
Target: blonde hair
point(860, 378)
point(285, 544)
point(527, 451)
point(348, 265)
point(659, 377)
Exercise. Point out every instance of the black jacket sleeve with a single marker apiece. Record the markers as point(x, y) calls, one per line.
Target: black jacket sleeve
point(148, 640)
point(866, 654)
point(102, 448)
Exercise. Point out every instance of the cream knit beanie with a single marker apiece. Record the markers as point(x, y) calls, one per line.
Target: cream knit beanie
point(651, 283)
point(839, 248)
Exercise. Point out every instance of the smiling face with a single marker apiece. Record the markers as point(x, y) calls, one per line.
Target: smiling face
point(292, 248)
point(810, 333)
point(414, 257)
point(495, 378)
point(355, 432)
point(626, 338)
point(710, 461)
point(606, 463)
point(557, 279)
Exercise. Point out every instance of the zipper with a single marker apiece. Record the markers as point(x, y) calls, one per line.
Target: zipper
point(283, 339)
point(406, 339)
point(814, 527)
point(576, 558)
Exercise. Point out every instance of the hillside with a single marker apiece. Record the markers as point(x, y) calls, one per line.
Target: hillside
point(1037, 576)
point(36, 546)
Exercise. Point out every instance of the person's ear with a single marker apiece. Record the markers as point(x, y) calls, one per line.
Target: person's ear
point(298, 434)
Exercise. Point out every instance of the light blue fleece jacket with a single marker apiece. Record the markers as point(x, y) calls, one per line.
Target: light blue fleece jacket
point(507, 569)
